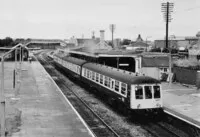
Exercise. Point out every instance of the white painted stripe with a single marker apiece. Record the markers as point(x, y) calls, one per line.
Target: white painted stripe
point(67, 101)
point(182, 119)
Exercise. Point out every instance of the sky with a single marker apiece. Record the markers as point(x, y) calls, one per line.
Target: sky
point(62, 19)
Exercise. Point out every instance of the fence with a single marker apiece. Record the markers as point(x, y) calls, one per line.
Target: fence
point(186, 76)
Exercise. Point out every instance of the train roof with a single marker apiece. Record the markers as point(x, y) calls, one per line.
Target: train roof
point(123, 76)
point(74, 60)
point(71, 59)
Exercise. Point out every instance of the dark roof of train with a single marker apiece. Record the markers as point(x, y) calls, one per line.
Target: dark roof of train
point(120, 75)
point(74, 60)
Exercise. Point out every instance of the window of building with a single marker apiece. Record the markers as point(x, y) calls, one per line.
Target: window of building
point(165, 69)
point(156, 91)
point(148, 92)
point(138, 92)
point(116, 85)
point(123, 88)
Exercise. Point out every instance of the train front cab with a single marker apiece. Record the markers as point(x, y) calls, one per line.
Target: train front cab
point(147, 98)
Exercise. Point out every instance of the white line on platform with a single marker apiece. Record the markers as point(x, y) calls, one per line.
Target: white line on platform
point(187, 121)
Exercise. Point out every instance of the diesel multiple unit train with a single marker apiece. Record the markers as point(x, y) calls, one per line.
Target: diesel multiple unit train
point(135, 92)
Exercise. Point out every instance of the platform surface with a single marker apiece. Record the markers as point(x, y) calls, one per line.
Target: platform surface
point(38, 108)
point(182, 101)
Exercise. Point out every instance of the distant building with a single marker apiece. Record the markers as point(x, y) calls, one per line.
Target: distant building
point(139, 44)
point(177, 42)
point(117, 43)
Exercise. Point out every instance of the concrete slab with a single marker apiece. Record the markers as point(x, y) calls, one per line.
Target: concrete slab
point(183, 102)
point(39, 109)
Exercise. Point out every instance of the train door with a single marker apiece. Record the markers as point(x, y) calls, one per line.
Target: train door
point(136, 97)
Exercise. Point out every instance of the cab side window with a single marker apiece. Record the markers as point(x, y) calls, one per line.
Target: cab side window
point(138, 92)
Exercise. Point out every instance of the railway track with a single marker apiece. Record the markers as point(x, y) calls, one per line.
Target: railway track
point(97, 125)
point(156, 129)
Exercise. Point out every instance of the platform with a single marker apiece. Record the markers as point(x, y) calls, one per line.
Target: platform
point(39, 109)
point(182, 102)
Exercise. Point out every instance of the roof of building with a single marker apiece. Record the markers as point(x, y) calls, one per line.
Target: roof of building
point(158, 61)
point(138, 44)
point(88, 42)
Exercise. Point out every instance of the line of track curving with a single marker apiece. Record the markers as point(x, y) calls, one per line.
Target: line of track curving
point(97, 125)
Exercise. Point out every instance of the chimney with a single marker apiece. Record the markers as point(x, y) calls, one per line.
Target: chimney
point(102, 38)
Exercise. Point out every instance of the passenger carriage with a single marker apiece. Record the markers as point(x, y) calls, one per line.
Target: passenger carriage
point(135, 92)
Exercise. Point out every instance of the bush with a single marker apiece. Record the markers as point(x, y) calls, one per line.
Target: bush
point(188, 63)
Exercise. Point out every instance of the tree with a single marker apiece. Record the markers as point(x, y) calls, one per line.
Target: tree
point(6, 42)
point(126, 42)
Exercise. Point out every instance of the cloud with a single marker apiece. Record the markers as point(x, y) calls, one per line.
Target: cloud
point(46, 18)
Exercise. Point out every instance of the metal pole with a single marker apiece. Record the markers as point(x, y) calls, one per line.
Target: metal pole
point(20, 66)
point(2, 100)
point(146, 44)
point(112, 35)
point(22, 55)
point(170, 66)
point(167, 20)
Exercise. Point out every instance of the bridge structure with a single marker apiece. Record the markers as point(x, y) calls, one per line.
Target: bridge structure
point(44, 43)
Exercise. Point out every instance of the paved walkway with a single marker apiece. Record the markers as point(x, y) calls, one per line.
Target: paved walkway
point(182, 101)
point(39, 109)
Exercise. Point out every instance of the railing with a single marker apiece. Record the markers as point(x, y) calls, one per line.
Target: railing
point(2, 97)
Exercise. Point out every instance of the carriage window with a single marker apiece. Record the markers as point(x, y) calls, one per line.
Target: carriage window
point(112, 83)
point(93, 75)
point(116, 85)
point(90, 74)
point(101, 79)
point(87, 73)
point(156, 91)
point(106, 81)
point(138, 92)
point(148, 92)
point(97, 77)
point(123, 88)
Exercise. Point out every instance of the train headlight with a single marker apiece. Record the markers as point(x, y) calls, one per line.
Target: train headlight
point(138, 106)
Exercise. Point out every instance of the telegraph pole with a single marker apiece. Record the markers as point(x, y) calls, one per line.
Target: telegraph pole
point(167, 9)
point(112, 29)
